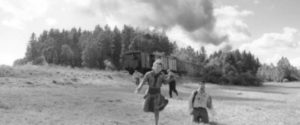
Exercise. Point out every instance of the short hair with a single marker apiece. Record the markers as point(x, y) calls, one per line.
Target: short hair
point(201, 83)
point(158, 61)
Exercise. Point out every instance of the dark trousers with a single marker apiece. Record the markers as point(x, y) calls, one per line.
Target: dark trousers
point(200, 115)
point(137, 81)
point(172, 88)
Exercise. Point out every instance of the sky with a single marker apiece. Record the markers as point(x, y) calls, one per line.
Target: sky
point(267, 28)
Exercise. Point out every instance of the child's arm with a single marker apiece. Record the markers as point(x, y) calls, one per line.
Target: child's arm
point(165, 78)
point(190, 103)
point(210, 106)
point(145, 79)
point(209, 103)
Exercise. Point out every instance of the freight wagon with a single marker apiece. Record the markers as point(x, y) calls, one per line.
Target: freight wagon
point(141, 61)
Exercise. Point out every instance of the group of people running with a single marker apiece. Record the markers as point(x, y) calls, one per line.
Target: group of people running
point(199, 101)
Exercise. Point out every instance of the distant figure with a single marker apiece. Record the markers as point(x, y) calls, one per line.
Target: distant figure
point(154, 101)
point(199, 102)
point(285, 80)
point(137, 76)
point(172, 83)
point(108, 65)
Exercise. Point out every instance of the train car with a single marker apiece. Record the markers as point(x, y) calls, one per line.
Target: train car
point(141, 61)
point(169, 62)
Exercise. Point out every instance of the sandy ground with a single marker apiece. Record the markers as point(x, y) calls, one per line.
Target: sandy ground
point(62, 96)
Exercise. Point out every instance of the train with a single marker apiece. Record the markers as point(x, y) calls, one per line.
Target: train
point(142, 62)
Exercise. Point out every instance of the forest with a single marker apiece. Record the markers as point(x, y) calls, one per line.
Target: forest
point(81, 48)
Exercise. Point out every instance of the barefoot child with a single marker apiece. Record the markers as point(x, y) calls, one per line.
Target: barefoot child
point(154, 101)
point(199, 102)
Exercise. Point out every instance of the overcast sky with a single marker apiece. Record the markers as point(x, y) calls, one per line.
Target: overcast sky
point(267, 28)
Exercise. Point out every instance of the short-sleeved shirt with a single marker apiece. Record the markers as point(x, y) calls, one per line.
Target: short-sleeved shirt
point(154, 80)
point(202, 100)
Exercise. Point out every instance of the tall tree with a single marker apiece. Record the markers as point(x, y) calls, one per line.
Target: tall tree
point(127, 35)
point(32, 48)
point(67, 55)
point(91, 56)
point(116, 48)
point(286, 70)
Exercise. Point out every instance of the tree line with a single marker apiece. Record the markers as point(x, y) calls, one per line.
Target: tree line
point(230, 68)
point(93, 49)
point(283, 72)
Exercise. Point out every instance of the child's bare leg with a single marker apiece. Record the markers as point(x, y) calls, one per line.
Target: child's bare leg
point(156, 115)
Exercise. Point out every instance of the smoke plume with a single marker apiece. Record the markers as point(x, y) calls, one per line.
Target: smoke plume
point(195, 17)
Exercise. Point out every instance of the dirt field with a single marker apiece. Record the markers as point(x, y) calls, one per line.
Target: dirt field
point(31, 95)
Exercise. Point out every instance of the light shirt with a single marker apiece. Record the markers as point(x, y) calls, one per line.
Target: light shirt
point(137, 75)
point(201, 100)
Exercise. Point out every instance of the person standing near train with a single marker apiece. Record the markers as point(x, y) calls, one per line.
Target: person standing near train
point(154, 100)
point(172, 83)
point(137, 76)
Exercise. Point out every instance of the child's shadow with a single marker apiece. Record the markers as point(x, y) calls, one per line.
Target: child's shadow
point(215, 123)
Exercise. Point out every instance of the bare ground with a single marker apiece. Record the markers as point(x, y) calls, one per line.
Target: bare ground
point(31, 95)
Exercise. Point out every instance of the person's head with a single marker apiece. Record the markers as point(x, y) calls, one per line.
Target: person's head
point(201, 88)
point(157, 66)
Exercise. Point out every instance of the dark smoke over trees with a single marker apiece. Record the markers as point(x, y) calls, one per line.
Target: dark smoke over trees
point(196, 18)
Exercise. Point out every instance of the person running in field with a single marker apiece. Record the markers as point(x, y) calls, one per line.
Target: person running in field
point(137, 76)
point(199, 103)
point(172, 83)
point(154, 101)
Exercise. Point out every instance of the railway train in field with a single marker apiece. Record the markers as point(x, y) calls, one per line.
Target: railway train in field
point(142, 62)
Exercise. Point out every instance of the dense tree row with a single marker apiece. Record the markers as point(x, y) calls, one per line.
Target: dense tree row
point(190, 55)
point(284, 71)
point(91, 48)
point(232, 68)
point(103, 46)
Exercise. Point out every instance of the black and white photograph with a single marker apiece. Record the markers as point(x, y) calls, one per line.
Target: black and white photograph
point(149, 62)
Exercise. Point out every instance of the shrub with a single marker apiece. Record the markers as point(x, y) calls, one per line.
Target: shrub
point(20, 62)
point(250, 79)
point(39, 61)
point(6, 71)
